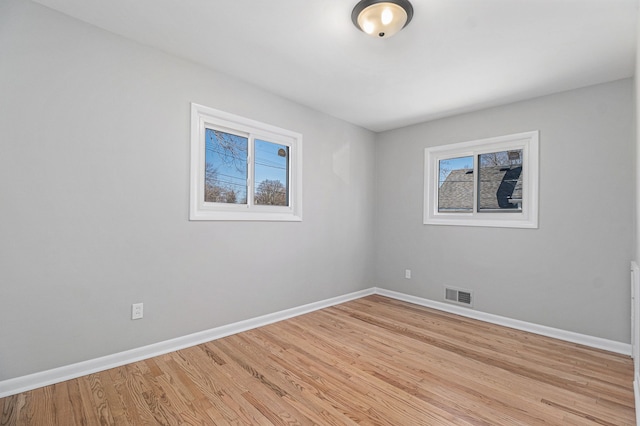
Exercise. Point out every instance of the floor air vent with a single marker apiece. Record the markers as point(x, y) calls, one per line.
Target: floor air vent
point(459, 296)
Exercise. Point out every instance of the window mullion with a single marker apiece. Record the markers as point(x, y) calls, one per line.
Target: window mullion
point(476, 183)
point(250, 171)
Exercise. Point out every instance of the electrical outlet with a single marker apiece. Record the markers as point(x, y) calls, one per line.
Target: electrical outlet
point(136, 311)
point(407, 274)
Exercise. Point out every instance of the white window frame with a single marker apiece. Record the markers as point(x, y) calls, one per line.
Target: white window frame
point(203, 117)
point(527, 218)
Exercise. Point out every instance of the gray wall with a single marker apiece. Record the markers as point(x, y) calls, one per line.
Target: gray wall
point(636, 105)
point(573, 272)
point(94, 193)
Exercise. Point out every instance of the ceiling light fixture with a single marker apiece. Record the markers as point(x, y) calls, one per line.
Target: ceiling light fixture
point(382, 18)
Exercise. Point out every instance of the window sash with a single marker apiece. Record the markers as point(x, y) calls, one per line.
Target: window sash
point(277, 196)
point(456, 179)
point(492, 191)
point(228, 181)
point(250, 182)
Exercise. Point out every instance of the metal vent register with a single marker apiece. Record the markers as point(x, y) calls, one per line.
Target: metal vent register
point(459, 296)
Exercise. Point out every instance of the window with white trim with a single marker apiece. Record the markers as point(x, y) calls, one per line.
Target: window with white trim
point(488, 182)
point(242, 169)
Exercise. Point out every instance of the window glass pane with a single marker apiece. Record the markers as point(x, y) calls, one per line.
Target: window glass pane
point(455, 185)
point(225, 179)
point(271, 174)
point(500, 181)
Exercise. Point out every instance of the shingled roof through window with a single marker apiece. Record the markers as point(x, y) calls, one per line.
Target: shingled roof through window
point(500, 189)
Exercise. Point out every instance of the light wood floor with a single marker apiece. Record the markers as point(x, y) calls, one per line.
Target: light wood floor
point(373, 361)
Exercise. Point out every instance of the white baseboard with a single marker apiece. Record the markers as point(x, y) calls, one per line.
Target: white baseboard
point(72, 371)
point(636, 394)
point(36, 380)
point(556, 333)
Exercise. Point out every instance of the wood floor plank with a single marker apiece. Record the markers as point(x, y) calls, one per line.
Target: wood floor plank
point(371, 361)
point(300, 393)
point(11, 406)
point(379, 364)
point(500, 357)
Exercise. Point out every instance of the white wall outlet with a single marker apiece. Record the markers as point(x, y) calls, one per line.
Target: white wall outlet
point(407, 274)
point(136, 311)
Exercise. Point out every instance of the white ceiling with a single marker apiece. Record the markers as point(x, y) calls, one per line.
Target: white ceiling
point(455, 56)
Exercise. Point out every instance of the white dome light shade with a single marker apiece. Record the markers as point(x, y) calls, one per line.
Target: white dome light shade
point(382, 19)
